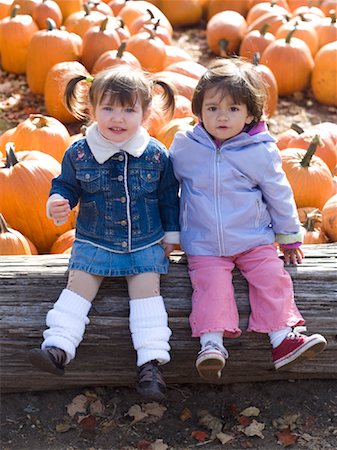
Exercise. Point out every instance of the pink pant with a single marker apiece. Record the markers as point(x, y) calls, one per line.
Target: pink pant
point(271, 293)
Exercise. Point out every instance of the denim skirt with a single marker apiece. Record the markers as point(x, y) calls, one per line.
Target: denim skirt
point(98, 261)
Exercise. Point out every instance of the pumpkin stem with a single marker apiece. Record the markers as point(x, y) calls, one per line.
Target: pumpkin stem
point(297, 128)
point(264, 28)
point(38, 120)
point(316, 140)
point(51, 25)
point(104, 24)
point(3, 225)
point(223, 44)
point(290, 35)
point(150, 13)
point(11, 158)
point(121, 50)
point(87, 9)
point(14, 11)
point(332, 14)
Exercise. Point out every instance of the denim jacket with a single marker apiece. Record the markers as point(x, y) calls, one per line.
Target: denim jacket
point(125, 204)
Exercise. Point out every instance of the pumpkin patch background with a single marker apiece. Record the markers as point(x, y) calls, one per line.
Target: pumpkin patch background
point(39, 420)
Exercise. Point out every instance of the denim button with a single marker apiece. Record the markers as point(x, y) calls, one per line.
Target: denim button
point(124, 244)
point(120, 178)
point(124, 222)
point(148, 176)
point(87, 176)
point(120, 158)
point(123, 199)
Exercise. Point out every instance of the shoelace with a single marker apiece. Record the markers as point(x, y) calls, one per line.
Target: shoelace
point(216, 347)
point(296, 332)
point(149, 371)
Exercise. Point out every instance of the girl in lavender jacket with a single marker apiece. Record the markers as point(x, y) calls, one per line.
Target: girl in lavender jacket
point(235, 203)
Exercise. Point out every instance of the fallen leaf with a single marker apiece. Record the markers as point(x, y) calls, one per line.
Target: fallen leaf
point(250, 411)
point(185, 414)
point(88, 423)
point(254, 429)
point(286, 438)
point(200, 436)
point(154, 409)
point(224, 438)
point(78, 405)
point(136, 412)
point(143, 445)
point(159, 445)
point(96, 407)
point(214, 424)
point(288, 421)
point(244, 421)
point(63, 427)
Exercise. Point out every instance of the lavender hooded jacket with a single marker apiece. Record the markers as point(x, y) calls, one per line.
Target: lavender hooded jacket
point(233, 197)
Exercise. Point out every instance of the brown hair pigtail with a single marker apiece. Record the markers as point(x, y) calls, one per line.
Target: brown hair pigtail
point(168, 95)
point(76, 96)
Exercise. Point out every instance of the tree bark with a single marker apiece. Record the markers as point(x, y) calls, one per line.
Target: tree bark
point(31, 284)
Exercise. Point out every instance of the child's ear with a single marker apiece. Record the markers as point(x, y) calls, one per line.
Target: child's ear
point(249, 120)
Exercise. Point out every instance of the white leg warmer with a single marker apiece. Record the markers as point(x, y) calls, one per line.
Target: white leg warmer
point(66, 322)
point(149, 330)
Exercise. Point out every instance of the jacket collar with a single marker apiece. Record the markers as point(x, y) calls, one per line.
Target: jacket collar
point(103, 149)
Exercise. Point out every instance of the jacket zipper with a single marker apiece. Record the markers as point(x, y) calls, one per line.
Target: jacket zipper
point(217, 202)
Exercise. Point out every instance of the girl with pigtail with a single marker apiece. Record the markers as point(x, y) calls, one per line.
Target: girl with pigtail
point(128, 220)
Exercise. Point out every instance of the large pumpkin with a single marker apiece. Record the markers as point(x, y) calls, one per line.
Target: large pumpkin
point(46, 48)
point(308, 175)
point(43, 133)
point(25, 181)
point(12, 242)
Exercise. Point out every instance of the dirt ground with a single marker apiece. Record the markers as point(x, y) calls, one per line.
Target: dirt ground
point(266, 416)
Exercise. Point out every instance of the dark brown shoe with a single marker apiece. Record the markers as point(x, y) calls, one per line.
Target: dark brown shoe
point(50, 359)
point(150, 381)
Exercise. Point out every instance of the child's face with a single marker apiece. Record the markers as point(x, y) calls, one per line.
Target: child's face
point(221, 117)
point(118, 123)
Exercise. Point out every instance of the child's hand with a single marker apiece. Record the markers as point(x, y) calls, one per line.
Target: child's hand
point(59, 211)
point(292, 255)
point(168, 248)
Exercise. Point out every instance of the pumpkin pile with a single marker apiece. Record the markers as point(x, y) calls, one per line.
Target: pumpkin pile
point(293, 43)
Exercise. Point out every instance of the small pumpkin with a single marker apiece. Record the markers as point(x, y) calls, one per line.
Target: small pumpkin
point(256, 41)
point(63, 243)
point(12, 242)
point(313, 235)
point(148, 49)
point(115, 57)
point(47, 9)
point(309, 177)
point(225, 31)
point(329, 218)
point(324, 75)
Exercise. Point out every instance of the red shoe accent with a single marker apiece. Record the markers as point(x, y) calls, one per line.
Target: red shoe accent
point(296, 347)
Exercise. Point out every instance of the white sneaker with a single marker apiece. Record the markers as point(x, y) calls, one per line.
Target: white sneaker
point(211, 360)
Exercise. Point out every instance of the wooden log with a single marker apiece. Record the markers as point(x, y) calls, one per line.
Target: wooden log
point(31, 284)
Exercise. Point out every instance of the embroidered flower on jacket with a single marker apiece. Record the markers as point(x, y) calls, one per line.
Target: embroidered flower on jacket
point(80, 154)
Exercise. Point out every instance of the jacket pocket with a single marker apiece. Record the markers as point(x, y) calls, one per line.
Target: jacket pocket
point(90, 180)
point(149, 179)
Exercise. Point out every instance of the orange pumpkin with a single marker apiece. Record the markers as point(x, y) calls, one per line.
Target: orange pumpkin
point(5, 8)
point(225, 31)
point(308, 175)
point(192, 69)
point(112, 58)
point(324, 75)
point(47, 9)
point(303, 30)
point(188, 13)
point(255, 41)
point(133, 9)
point(329, 218)
point(12, 242)
point(327, 29)
point(313, 235)
point(43, 133)
point(259, 9)
point(168, 131)
point(63, 243)
point(25, 180)
point(69, 7)
point(6, 137)
point(47, 48)
point(97, 40)
point(174, 54)
point(216, 6)
point(291, 62)
point(270, 83)
point(16, 32)
point(148, 49)
point(80, 22)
